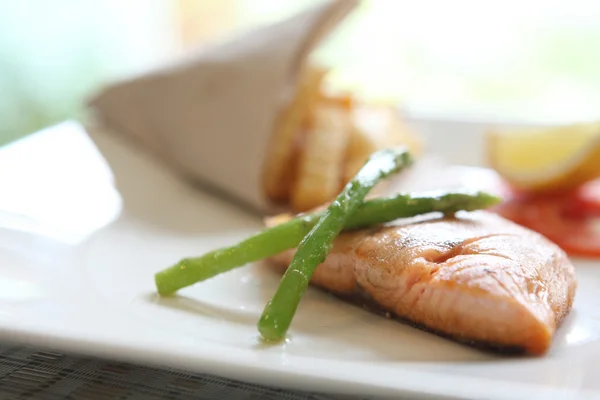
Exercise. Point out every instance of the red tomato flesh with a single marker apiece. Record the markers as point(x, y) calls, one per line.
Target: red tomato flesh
point(571, 220)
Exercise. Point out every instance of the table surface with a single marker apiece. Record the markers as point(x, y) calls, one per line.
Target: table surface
point(32, 373)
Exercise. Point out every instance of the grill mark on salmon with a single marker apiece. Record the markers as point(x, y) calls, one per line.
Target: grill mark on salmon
point(475, 277)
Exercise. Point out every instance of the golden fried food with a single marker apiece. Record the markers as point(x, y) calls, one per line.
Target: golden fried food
point(320, 162)
point(276, 177)
point(323, 137)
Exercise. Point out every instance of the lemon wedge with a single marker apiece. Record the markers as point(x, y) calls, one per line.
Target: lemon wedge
point(546, 159)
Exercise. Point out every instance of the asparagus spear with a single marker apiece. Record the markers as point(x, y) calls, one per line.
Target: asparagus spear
point(289, 234)
point(314, 248)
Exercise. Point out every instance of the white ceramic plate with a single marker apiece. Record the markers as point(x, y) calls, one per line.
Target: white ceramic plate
point(85, 221)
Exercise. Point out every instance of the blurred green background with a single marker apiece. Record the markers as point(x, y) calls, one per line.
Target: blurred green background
point(532, 60)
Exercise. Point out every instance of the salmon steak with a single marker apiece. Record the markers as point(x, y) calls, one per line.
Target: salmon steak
point(474, 277)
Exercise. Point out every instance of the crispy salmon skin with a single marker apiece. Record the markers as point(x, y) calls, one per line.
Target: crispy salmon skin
point(474, 277)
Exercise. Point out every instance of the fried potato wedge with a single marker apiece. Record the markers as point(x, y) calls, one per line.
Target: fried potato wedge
point(360, 146)
point(277, 174)
point(321, 160)
point(375, 127)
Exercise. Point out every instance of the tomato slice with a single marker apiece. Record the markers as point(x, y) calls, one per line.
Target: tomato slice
point(588, 198)
point(572, 221)
point(582, 202)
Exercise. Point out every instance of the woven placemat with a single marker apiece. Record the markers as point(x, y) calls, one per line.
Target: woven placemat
point(28, 373)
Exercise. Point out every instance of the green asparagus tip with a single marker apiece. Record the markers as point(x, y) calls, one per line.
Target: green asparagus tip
point(158, 281)
point(270, 333)
point(164, 281)
point(487, 199)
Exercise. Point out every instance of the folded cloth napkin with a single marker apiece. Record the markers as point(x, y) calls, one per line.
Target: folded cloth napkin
point(211, 116)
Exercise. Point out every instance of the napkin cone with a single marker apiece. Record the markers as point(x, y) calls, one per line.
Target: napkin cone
point(211, 116)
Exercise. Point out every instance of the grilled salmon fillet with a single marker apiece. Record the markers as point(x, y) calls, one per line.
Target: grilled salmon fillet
point(474, 277)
